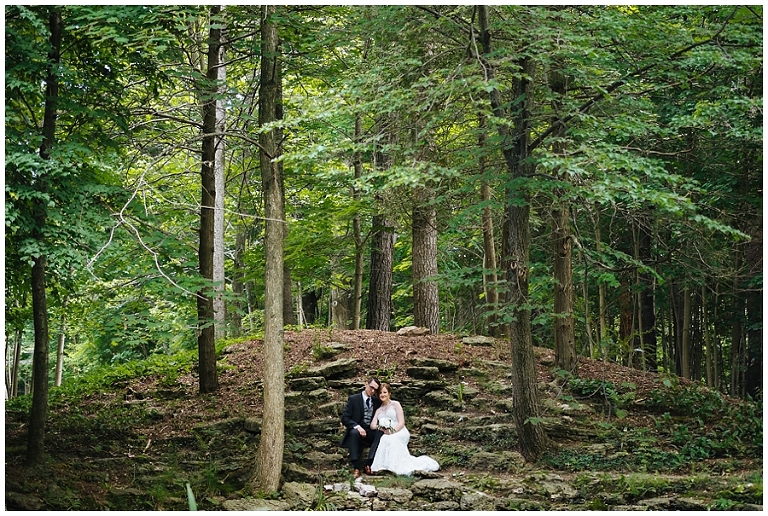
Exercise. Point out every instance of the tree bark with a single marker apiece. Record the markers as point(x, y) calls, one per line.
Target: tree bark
point(380, 283)
point(39, 410)
point(206, 340)
point(238, 284)
point(379, 308)
point(219, 277)
point(565, 336)
point(426, 301)
point(602, 326)
point(737, 330)
point(271, 446)
point(14, 389)
point(686, 339)
point(647, 298)
point(490, 276)
point(60, 351)
point(357, 231)
point(533, 441)
point(709, 355)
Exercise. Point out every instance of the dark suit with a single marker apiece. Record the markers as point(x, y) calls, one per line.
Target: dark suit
point(352, 416)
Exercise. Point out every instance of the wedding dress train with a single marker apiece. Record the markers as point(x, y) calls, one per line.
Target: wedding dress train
point(392, 453)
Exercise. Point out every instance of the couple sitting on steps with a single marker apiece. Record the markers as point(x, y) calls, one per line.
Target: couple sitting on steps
point(373, 419)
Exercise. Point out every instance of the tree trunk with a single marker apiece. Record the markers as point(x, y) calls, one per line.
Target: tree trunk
point(533, 441)
point(737, 331)
point(219, 278)
point(707, 340)
point(272, 444)
point(357, 232)
point(426, 302)
point(490, 276)
point(289, 316)
point(238, 284)
point(753, 257)
point(565, 336)
point(686, 340)
point(647, 308)
point(39, 410)
point(602, 338)
point(380, 287)
point(14, 390)
point(206, 340)
point(339, 308)
point(60, 351)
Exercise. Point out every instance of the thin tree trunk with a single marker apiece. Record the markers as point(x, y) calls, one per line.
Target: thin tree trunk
point(206, 340)
point(14, 391)
point(532, 439)
point(379, 310)
point(219, 303)
point(753, 353)
point(272, 443)
point(39, 410)
point(647, 317)
point(565, 336)
point(380, 288)
point(60, 350)
point(707, 339)
point(490, 276)
point(357, 232)
point(289, 317)
point(686, 342)
point(602, 329)
point(238, 284)
point(737, 331)
point(426, 302)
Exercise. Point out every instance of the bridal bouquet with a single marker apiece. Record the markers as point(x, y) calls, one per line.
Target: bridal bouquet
point(386, 423)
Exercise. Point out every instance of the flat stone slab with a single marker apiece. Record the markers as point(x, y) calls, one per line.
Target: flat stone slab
point(342, 368)
point(479, 340)
point(307, 383)
point(445, 366)
point(423, 373)
point(438, 490)
point(413, 331)
point(255, 504)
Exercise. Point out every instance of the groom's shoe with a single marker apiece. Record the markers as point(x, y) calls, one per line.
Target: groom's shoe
point(368, 470)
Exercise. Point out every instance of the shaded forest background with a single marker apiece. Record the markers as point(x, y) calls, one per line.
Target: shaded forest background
point(583, 178)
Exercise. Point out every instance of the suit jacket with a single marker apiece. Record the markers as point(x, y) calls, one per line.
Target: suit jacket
point(353, 415)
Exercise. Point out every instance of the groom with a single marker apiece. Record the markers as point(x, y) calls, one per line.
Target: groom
point(356, 419)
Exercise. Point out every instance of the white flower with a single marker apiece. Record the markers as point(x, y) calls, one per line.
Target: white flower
point(386, 423)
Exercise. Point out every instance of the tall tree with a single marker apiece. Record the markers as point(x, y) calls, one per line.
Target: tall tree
point(270, 456)
point(206, 340)
point(39, 410)
point(426, 301)
point(533, 441)
point(219, 276)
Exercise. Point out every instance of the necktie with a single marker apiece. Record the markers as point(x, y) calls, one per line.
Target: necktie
point(368, 412)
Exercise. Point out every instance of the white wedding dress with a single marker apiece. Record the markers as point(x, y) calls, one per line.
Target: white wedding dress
point(392, 453)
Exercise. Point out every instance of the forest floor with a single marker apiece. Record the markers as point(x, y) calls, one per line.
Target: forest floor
point(137, 438)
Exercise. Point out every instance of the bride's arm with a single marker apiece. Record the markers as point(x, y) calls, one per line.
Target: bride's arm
point(400, 417)
point(375, 419)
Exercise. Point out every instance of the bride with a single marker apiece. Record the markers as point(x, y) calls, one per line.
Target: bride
point(392, 453)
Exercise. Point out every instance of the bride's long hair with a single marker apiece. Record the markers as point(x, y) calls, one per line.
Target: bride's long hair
point(389, 390)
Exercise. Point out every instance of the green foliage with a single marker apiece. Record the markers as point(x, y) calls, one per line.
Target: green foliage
point(385, 373)
point(191, 498)
point(616, 400)
point(687, 400)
